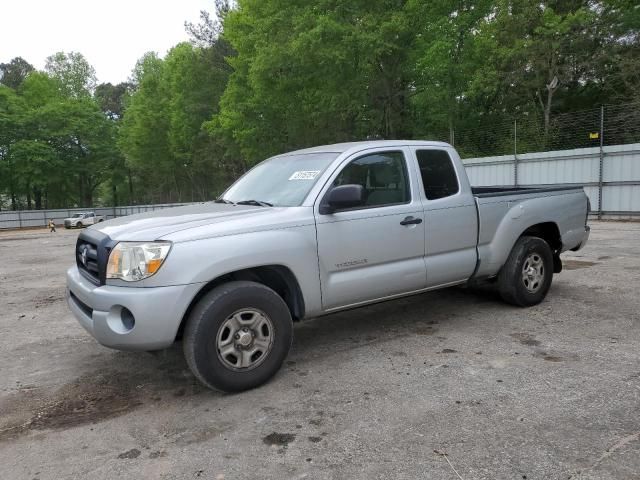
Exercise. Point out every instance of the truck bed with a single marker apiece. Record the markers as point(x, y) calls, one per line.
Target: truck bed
point(482, 192)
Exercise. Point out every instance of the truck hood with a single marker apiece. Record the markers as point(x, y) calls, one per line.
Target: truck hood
point(198, 221)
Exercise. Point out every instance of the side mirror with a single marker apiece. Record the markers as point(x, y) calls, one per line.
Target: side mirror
point(343, 196)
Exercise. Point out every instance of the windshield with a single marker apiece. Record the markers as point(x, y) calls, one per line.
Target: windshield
point(77, 215)
point(281, 181)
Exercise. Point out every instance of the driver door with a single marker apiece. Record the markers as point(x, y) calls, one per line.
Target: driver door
point(375, 250)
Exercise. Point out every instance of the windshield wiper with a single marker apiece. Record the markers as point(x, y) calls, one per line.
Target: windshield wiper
point(223, 200)
point(254, 202)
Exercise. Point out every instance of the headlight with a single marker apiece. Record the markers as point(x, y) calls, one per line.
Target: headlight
point(133, 261)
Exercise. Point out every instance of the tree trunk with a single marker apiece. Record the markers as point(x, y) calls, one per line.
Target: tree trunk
point(130, 187)
point(114, 194)
point(14, 205)
point(37, 193)
point(547, 111)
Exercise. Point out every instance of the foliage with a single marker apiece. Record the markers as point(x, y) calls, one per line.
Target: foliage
point(76, 76)
point(14, 72)
point(261, 77)
point(161, 134)
point(56, 147)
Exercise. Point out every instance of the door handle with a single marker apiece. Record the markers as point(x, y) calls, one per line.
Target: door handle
point(411, 221)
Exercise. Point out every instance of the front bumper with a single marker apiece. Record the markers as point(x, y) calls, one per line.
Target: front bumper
point(156, 311)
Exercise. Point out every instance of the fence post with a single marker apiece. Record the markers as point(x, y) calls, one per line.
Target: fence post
point(19, 219)
point(601, 167)
point(515, 152)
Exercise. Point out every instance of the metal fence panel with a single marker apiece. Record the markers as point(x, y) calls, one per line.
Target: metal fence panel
point(40, 218)
point(618, 183)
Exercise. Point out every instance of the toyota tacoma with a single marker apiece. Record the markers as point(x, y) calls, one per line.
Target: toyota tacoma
point(309, 233)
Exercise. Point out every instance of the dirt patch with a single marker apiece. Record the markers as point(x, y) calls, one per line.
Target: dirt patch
point(553, 358)
point(526, 339)
point(189, 437)
point(281, 439)
point(133, 453)
point(576, 264)
point(87, 400)
point(48, 300)
point(90, 399)
point(425, 330)
point(15, 239)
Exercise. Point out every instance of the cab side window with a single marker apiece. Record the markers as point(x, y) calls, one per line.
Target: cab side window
point(438, 174)
point(383, 175)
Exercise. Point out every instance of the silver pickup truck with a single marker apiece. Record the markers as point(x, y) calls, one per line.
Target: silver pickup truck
point(305, 234)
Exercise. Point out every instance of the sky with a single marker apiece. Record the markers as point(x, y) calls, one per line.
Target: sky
point(111, 34)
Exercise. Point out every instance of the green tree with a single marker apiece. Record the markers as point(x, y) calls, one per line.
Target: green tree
point(10, 130)
point(309, 73)
point(162, 135)
point(143, 134)
point(112, 98)
point(76, 76)
point(14, 72)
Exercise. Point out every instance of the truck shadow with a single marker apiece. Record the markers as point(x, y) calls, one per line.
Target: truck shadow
point(115, 383)
point(418, 315)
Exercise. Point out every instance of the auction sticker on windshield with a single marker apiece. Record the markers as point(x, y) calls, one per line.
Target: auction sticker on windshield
point(304, 175)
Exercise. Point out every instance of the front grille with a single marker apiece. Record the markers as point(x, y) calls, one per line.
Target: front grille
point(92, 253)
point(87, 259)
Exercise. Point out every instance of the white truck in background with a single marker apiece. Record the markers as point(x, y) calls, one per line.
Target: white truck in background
point(82, 219)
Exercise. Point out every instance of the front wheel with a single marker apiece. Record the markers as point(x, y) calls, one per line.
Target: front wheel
point(525, 278)
point(237, 336)
point(79, 225)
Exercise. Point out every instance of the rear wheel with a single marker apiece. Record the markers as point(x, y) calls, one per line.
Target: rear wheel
point(237, 336)
point(525, 278)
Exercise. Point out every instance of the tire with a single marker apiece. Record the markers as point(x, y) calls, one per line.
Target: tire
point(212, 323)
point(525, 278)
point(79, 225)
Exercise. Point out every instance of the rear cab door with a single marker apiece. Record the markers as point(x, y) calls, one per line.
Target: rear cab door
point(451, 219)
point(371, 252)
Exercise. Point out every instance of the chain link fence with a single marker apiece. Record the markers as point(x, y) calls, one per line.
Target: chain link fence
point(519, 134)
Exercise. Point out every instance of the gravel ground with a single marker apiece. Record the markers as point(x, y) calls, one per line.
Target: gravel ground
point(413, 388)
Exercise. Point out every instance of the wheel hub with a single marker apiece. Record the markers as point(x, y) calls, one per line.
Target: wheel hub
point(533, 272)
point(244, 339)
